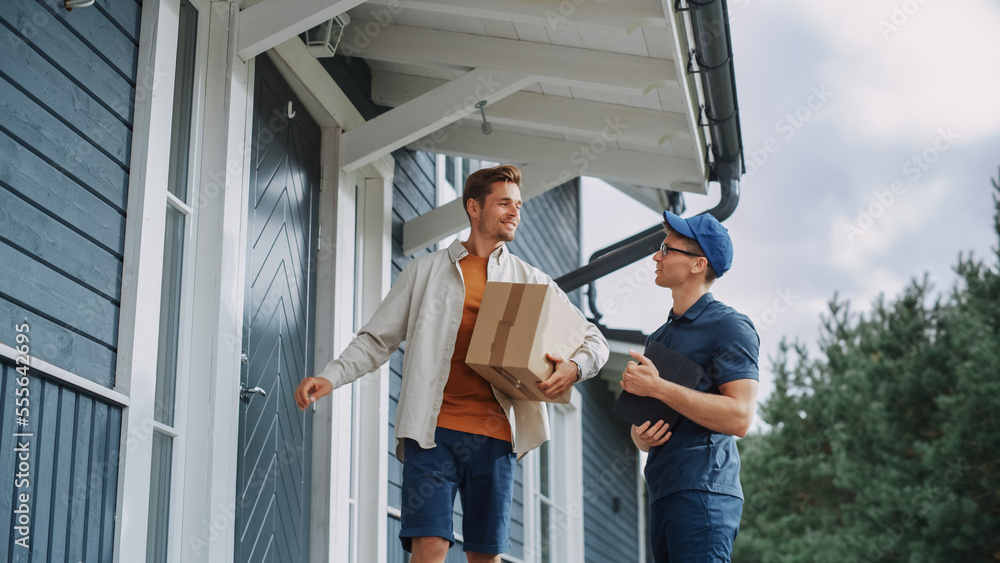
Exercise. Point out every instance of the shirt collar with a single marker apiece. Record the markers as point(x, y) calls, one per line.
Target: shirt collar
point(694, 310)
point(457, 251)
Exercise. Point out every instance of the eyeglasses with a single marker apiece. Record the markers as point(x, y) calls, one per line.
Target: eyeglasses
point(664, 250)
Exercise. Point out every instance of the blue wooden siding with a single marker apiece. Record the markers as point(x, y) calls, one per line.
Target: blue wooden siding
point(67, 86)
point(610, 466)
point(72, 471)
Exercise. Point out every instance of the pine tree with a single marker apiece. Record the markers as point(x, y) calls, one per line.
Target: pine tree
point(887, 446)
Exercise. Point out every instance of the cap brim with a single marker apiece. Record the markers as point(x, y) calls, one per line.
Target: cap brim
point(678, 224)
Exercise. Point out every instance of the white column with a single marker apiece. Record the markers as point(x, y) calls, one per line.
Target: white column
point(142, 270)
point(373, 415)
point(209, 515)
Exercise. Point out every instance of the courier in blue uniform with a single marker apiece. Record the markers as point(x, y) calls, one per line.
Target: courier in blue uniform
point(693, 469)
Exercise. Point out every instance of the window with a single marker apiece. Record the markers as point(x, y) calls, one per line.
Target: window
point(167, 422)
point(451, 174)
point(553, 490)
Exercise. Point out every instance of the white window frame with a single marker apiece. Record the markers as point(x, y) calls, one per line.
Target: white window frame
point(142, 267)
point(179, 432)
point(566, 461)
point(445, 192)
point(213, 341)
point(371, 416)
point(359, 482)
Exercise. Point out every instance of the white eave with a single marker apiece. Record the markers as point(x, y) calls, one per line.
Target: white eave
point(572, 88)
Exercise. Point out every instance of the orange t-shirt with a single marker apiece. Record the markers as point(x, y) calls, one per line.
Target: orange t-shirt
point(469, 404)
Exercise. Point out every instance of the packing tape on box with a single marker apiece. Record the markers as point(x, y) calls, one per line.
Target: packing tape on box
point(504, 327)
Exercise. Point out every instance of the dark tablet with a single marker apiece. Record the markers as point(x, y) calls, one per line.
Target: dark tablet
point(672, 367)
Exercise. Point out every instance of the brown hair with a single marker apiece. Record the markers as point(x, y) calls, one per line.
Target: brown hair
point(693, 246)
point(480, 183)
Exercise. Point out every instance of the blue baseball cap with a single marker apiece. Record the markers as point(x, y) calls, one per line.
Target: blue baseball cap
point(711, 236)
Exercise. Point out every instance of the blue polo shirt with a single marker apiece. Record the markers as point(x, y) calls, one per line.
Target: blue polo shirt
point(725, 344)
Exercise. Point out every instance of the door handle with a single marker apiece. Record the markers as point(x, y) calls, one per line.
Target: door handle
point(247, 393)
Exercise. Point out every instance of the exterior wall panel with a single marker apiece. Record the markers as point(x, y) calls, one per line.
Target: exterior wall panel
point(67, 90)
point(610, 466)
point(72, 471)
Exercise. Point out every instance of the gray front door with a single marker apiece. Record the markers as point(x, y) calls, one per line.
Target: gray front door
point(272, 497)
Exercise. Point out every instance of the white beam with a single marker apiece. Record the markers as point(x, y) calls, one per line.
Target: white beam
point(272, 22)
point(598, 158)
point(555, 114)
point(450, 218)
point(427, 113)
point(600, 17)
point(554, 64)
point(321, 96)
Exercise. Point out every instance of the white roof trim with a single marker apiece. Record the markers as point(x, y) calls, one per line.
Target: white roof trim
point(601, 17)
point(590, 88)
point(598, 158)
point(553, 64)
point(556, 114)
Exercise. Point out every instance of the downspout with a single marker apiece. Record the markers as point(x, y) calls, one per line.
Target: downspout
point(720, 115)
point(712, 58)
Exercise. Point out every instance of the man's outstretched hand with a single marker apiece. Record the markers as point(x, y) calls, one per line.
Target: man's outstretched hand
point(311, 389)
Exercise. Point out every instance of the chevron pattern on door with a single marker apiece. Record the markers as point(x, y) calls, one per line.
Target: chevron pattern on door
point(273, 478)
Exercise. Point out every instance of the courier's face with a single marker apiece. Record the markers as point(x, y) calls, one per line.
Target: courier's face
point(501, 213)
point(675, 268)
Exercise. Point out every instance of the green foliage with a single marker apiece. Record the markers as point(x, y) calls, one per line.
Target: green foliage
point(887, 446)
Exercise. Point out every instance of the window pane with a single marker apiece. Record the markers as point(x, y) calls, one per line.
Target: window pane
point(545, 531)
point(543, 469)
point(170, 310)
point(449, 171)
point(159, 499)
point(180, 136)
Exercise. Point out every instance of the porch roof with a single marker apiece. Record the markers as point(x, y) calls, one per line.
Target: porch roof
point(571, 88)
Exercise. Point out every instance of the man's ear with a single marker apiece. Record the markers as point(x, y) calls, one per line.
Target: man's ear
point(472, 207)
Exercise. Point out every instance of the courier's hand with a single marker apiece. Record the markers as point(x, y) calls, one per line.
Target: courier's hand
point(561, 380)
point(647, 435)
point(641, 377)
point(311, 389)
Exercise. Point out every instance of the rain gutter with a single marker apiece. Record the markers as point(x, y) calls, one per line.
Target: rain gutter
point(712, 59)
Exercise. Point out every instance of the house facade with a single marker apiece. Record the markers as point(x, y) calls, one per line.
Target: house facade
point(197, 209)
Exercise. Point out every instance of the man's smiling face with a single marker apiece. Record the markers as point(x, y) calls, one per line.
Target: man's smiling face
point(501, 212)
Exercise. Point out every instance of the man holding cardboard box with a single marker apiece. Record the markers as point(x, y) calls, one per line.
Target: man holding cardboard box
point(693, 469)
point(453, 431)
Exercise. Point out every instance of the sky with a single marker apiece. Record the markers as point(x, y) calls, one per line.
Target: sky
point(871, 130)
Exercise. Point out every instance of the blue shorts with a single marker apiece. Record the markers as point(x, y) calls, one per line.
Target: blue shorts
point(479, 468)
point(694, 527)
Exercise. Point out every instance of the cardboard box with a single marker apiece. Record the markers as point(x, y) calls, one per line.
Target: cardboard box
point(518, 324)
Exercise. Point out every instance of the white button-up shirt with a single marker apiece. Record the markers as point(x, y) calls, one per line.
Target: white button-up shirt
point(424, 308)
